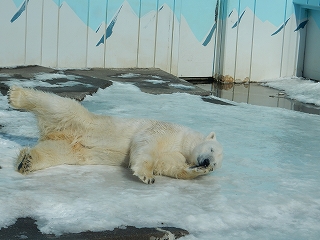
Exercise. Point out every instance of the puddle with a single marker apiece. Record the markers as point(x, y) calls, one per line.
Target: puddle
point(256, 94)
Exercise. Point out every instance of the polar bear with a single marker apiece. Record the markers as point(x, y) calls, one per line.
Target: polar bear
point(70, 134)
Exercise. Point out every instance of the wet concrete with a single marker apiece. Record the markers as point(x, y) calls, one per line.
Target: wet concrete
point(256, 94)
point(148, 80)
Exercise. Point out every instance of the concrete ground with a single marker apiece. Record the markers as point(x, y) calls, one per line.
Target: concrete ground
point(87, 82)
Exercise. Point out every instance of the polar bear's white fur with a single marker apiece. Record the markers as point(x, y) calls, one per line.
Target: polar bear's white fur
point(70, 134)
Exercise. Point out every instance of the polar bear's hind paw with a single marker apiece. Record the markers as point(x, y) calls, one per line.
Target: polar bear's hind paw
point(15, 97)
point(24, 166)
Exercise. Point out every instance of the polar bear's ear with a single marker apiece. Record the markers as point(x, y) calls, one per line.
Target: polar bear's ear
point(211, 135)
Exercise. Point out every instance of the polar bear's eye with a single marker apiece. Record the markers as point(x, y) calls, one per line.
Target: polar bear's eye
point(212, 150)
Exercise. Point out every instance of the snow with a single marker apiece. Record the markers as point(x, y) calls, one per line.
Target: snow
point(153, 81)
point(43, 80)
point(51, 76)
point(129, 75)
point(267, 187)
point(300, 89)
point(181, 86)
point(34, 83)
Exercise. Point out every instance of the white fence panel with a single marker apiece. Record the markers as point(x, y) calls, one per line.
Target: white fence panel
point(13, 33)
point(122, 34)
point(72, 41)
point(96, 33)
point(50, 29)
point(147, 33)
point(268, 41)
point(248, 39)
point(197, 38)
point(34, 32)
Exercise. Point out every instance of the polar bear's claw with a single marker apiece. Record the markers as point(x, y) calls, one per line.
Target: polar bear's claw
point(147, 180)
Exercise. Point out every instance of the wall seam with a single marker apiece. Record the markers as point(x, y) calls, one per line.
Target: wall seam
point(156, 34)
point(87, 40)
point(41, 40)
point(105, 36)
point(25, 34)
point(58, 33)
point(283, 37)
point(139, 33)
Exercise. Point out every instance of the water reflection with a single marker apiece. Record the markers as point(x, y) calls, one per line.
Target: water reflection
point(256, 94)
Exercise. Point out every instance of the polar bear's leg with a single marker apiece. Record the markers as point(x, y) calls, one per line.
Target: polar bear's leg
point(141, 162)
point(142, 157)
point(142, 167)
point(49, 108)
point(45, 154)
point(174, 165)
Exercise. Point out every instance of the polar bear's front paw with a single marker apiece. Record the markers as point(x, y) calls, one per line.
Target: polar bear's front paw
point(25, 161)
point(200, 170)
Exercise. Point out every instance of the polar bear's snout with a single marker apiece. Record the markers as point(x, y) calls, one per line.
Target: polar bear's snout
point(204, 161)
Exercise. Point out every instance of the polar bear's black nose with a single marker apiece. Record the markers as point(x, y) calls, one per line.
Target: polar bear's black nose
point(205, 162)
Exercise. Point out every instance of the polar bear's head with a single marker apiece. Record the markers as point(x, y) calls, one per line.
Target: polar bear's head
point(208, 153)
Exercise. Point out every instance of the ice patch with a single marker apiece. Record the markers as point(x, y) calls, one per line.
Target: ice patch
point(181, 86)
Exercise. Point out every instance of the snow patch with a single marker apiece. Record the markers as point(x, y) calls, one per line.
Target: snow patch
point(155, 81)
point(52, 76)
point(129, 75)
point(300, 89)
point(181, 86)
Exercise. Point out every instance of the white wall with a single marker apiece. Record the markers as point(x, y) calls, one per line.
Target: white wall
point(252, 40)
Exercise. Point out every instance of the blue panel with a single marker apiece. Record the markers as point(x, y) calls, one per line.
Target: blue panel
point(18, 2)
point(303, 2)
point(80, 7)
point(97, 13)
point(309, 4)
point(272, 11)
point(313, 3)
point(200, 16)
point(147, 6)
point(316, 16)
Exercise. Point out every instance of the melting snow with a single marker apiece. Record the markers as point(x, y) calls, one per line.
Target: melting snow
point(303, 90)
point(267, 187)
